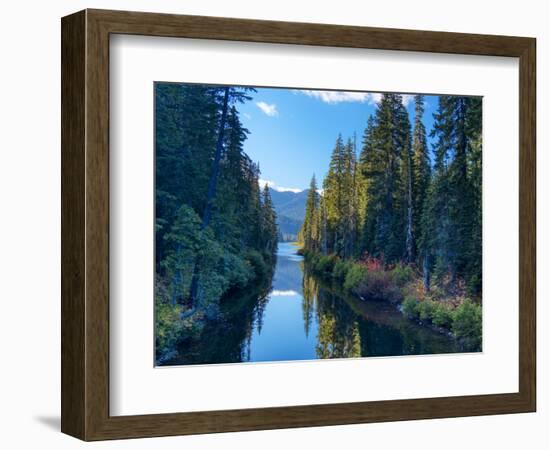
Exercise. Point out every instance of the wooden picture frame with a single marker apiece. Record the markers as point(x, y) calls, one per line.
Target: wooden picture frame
point(85, 224)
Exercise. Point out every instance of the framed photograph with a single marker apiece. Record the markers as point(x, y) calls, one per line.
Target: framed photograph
point(272, 225)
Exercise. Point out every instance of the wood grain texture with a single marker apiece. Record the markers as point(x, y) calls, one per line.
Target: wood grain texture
point(85, 224)
point(527, 224)
point(73, 226)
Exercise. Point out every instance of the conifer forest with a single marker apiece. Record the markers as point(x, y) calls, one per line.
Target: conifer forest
point(294, 224)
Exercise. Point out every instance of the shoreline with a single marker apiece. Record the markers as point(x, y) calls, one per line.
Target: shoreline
point(458, 318)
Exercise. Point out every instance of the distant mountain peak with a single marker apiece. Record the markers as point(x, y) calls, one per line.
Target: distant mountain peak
point(283, 189)
point(275, 187)
point(290, 207)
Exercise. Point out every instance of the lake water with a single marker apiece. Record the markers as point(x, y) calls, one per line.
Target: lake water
point(300, 318)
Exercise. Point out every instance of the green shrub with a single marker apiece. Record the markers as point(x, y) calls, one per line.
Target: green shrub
point(474, 284)
point(432, 311)
point(426, 310)
point(467, 324)
point(410, 307)
point(340, 269)
point(257, 263)
point(402, 274)
point(167, 326)
point(355, 275)
point(442, 315)
point(238, 270)
point(311, 257)
point(324, 264)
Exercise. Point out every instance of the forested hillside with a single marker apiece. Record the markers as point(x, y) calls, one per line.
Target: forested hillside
point(397, 223)
point(290, 209)
point(393, 220)
point(215, 230)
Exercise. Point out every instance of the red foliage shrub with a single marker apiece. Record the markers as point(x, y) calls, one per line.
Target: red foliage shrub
point(373, 264)
point(379, 285)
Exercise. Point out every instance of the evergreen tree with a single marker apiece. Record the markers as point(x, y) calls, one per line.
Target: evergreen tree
point(421, 169)
point(214, 229)
point(453, 211)
point(368, 174)
point(391, 204)
point(310, 230)
point(227, 96)
point(185, 119)
point(473, 132)
point(361, 184)
point(323, 226)
point(384, 155)
point(333, 195)
point(349, 201)
point(269, 223)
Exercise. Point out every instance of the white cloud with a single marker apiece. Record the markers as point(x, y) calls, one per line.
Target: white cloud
point(247, 116)
point(262, 183)
point(334, 97)
point(269, 109)
point(275, 187)
point(289, 293)
point(375, 98)
point(407, 98)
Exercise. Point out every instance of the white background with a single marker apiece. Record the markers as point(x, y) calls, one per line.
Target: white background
point(136, 387)
point(30, 237)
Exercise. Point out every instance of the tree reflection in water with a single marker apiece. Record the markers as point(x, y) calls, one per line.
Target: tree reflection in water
point(295, 316)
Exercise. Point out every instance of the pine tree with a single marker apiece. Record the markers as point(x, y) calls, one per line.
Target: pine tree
point(367, 174)
point(361, 184)
point(421, 169)
point(309, 232)
point(333, 195)
point(228, 96)
point(349, 201)
point(453, 221)
point(473, 131)
point(269, 223)
point(214, 228)
point(409, 234)
point(186, 118)
point(383, 158)
point(391, 203)
point(323, 227)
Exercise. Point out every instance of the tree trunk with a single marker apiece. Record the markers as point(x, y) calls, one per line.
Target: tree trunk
point(426, 273)
point(215, 164)
point(211, 191)
point(324, 229)
point(409, 244)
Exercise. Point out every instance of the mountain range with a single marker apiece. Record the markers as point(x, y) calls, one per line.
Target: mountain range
point(290, 208)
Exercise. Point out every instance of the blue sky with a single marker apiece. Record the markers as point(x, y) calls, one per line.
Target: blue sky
point(292, 132)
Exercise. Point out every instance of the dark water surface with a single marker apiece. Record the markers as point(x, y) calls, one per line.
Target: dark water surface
point(298, 318)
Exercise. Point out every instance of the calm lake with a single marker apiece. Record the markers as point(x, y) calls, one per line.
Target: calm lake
point(299, 318)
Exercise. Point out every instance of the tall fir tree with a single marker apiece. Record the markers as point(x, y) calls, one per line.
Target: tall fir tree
point(421, 168)
point(269, 223)
point(349, 200)
point(367, 176)
point(210, 220)
point(453, 231)
point(310, 230)
point(333, 195)
point(384, 166)
point(473, 132)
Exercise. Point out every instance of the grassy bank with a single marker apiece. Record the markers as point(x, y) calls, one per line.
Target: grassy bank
point(445, 310)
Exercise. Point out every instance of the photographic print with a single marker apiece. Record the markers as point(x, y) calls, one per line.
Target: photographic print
point(300, 224)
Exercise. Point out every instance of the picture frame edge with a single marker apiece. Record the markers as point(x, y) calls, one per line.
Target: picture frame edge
point(85, 232)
